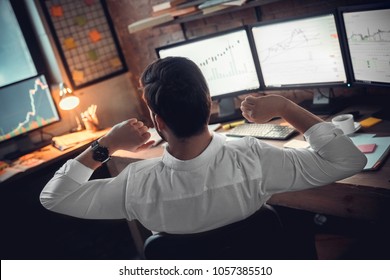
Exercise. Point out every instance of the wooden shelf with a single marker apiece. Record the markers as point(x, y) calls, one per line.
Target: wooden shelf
point(251, 4)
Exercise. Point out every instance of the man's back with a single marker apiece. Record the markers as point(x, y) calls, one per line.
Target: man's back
point(202, 181)
point(227, 182)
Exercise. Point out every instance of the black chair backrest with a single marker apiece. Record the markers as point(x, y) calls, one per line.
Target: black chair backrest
point(260, 236)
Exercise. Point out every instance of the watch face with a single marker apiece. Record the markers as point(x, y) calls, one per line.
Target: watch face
point(100, 153)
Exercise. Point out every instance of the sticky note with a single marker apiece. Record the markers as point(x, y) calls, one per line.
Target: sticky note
point(92, 54)
point(78, 75)
point(80, 20)
point(69, 43)
point(94, 35)
point(56, 11)
point(115, 62)
point(367, 148)
point(89, 2)
point(370, 121)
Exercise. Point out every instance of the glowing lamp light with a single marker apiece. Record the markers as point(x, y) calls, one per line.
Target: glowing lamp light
point(68, 100)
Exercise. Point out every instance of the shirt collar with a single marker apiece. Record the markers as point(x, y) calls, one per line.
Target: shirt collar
point(216, 143)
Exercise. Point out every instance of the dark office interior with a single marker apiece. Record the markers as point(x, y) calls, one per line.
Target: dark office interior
point(357, 229)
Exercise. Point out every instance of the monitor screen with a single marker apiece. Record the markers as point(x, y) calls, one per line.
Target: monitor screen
point(367, 36)
point(225, 60)
point(25, 106)
point(302, 52)
point(16, 60)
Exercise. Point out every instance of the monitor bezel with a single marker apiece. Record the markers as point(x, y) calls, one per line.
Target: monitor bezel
point(26, 133)
point(220, 33)
point(358, 8)
point(333, 84)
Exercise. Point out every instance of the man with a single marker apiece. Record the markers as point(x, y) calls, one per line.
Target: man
point(202, 181)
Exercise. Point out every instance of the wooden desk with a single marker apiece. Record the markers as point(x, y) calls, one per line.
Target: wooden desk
point(50, 156)
point(364, 196)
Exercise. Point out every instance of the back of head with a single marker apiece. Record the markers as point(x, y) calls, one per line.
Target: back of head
point(176, 90)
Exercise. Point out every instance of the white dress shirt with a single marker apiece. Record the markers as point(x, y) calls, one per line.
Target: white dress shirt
point(227, 182)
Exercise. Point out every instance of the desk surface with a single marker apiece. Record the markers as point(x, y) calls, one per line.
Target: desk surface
point(49, 155)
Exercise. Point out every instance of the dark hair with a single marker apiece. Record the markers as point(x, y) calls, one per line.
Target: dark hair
point(175, 89)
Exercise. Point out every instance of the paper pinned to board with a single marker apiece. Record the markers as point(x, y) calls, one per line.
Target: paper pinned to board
point(56, 11)
point(95, 35)
point(69, 43)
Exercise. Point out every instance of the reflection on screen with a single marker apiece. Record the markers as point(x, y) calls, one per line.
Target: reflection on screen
point(300, 52)
point(15, 60)
point(368, 36)
point(225, 60)
point(25, 106)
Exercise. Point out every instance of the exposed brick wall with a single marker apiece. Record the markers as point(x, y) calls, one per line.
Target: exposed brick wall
point(139, 48)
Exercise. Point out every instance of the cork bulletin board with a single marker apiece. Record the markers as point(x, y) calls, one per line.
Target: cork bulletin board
point(86, 40)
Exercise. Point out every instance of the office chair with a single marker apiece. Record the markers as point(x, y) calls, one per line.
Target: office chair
point(260, 236)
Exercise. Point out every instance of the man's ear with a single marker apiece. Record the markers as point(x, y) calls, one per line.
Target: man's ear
point(159, 122)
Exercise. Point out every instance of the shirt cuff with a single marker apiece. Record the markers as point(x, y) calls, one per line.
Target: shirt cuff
point(78, 171)
point(321, 134)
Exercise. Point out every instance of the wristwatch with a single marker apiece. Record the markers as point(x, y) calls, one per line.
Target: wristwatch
point(100, 153)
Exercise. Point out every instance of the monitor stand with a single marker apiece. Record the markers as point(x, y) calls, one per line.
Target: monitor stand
point(227, 111)
point(324, 104)
point(24, 145)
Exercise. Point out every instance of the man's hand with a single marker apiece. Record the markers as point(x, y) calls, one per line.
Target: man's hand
point(262, 109)
point(131, 135)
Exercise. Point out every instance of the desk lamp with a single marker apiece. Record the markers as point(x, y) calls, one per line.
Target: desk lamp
point(68, 101)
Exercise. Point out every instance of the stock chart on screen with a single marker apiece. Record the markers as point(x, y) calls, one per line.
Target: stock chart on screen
point(368, 37)
point(300, 52)
point(26, 106)
point(225, 60)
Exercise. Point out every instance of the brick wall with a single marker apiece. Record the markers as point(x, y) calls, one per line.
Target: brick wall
point(139, 48)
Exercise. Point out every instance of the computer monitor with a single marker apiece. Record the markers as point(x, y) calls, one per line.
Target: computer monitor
point(25, 107)
point(17, 61)
point(366, 35)
point(226, 61)
point(367, 40)
point(300, 52)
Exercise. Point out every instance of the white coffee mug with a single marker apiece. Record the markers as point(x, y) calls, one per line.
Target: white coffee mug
point(345, 122)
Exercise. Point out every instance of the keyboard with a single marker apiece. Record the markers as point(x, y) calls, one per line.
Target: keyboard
point(66, 141)
point(262, 131)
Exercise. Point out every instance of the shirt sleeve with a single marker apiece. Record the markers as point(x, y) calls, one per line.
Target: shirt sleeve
point(332, 156)
point(69, 192)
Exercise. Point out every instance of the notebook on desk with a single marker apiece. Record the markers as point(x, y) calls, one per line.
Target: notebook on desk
point(70, 140)
point(377, 156)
